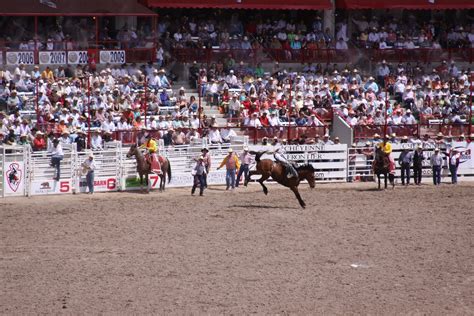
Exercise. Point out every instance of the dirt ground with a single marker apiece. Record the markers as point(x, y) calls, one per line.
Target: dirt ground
point(352, 251)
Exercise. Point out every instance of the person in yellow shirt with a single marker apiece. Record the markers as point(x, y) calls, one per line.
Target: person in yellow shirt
point(152, 148)
point(386, 147)
point(47, 75)
point(232, 163)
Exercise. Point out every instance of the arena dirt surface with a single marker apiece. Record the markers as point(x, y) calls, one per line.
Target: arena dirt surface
point(352, 251)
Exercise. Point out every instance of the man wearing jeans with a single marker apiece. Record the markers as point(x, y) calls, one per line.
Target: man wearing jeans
point(436, 165)
point(231, 163)
point(199, 172)
point(454, 157)
point(89, 166)
point(245, 160)
point(57, 155)
point(405, 160)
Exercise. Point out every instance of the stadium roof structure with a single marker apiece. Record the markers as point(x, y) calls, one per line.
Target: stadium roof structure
point(243, 4)
point(405, 4)
point(73, 8)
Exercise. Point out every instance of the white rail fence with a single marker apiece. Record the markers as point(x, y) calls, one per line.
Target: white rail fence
point(27, 173)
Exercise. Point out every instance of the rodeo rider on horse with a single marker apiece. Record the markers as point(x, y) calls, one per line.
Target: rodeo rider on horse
point(151, 156)
point(386, 147)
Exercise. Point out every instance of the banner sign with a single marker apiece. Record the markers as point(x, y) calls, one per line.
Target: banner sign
point(52, 58)
point(14, 178)
point(112, 57)
point(16, 58)
point(178, 180)
point(77, 57)
point(101, 184)
point(43, 187)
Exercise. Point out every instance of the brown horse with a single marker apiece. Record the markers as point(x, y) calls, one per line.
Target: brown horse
point(381, 165)
point(268, 168)
point(144, 167)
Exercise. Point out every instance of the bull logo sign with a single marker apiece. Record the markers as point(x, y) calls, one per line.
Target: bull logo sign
point(14, 176)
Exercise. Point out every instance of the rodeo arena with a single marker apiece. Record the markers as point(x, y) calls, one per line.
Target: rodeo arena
point(311, 157)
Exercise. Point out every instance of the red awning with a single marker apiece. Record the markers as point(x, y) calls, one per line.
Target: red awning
point(73, 8)
point(405, 4)
point(244, 4)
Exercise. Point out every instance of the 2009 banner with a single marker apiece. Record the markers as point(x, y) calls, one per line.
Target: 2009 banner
point(112, 57)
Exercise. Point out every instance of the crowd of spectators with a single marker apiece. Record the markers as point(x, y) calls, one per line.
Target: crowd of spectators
point(395, 95)
point(72, 33)
point(288, 32)
point(115, 102)
point(386, 31)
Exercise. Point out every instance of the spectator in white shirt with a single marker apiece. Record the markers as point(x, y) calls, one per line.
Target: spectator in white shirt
point(341, 44)
point(214, 136)
point(96, 141)
point(408, 118)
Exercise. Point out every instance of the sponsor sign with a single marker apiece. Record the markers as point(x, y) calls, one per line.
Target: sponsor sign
point(52, 58)
point(112, 56)
point(178, 180)
point(77, 57)
point(101, 184)
point(16, 58)
point(14, 178)
point(42, 187)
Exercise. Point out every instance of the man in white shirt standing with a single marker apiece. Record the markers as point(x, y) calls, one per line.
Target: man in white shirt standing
point(57, 155)
point(89, 166)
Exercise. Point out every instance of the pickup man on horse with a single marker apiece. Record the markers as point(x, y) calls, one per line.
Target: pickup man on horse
point(386, 147)
point(151, 156)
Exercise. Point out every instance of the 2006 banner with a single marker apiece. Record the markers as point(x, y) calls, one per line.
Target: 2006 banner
point(16, 58)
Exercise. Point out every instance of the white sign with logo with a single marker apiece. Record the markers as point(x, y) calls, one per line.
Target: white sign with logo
point(101, 184)
point(14, 178)
point(16, 58)
point(466, 161)
point(112, 57)
point(77, 57)
point(42, 187)
point(182, 180)
point(52, 58)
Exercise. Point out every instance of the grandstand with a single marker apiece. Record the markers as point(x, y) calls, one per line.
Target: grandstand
point(292, 74)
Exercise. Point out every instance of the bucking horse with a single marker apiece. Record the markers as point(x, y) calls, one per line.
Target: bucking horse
point(277, 170)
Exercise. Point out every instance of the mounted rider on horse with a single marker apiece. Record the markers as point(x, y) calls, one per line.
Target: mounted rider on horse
point(151, 154)
point(386, 148)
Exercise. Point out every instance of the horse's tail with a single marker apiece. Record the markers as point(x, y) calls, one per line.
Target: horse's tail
point(258, 154)
point(169, 170)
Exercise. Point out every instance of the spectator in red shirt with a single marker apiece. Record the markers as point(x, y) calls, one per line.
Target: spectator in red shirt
point(264, 120)
point(39, 143)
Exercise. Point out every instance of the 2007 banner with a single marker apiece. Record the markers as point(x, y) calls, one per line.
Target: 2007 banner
point(52, 58)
